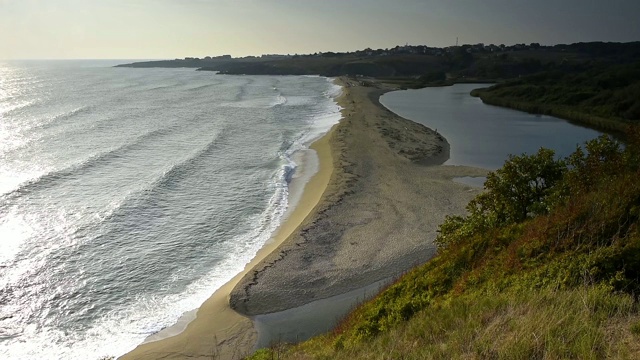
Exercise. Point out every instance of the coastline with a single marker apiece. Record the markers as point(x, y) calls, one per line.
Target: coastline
point(378, 216)
point(216, 330)
point(370, 213)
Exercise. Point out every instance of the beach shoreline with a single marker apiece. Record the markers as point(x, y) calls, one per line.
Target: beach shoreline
point(231, 335)
point(378, 216)
point(370, 213)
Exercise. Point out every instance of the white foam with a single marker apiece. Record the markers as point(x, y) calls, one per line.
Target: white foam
point(335, 91)
point(279, 100)
point(4, 109)
point(123, 328)
point(325, 120)
point(307, 165)
point(304, 163)
point(300, 100)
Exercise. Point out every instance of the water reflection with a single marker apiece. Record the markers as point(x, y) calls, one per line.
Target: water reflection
point(484, 135)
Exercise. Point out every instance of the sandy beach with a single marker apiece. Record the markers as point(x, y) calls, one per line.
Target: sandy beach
point(370, 213)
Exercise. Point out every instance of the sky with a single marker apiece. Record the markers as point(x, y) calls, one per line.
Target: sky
point(167, 29)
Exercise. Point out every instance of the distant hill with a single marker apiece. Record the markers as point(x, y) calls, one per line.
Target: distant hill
point(600, 94)
point(177, 63)
point(392, 65)
point(495, 62)
point(596, 83)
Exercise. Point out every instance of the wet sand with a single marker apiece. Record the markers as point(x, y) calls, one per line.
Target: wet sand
point(217, 331)
point(370, 213)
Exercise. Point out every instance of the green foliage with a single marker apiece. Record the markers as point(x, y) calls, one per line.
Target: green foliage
point(546, 264)
point(263, 354)
point(433, 77)
point(508, 325)
point(513, 193)
point(519, 189)
point(599, 94)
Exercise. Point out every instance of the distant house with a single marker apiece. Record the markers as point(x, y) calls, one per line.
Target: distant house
point(274, 56)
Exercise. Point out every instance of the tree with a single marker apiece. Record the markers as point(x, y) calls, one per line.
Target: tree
point(519, 189)
point(513, 193)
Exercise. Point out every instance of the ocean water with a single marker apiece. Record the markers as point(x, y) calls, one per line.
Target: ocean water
point(127, 196)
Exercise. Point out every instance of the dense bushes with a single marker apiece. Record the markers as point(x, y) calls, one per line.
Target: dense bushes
point(520, 189)
point(600, 95)
point(541, 223)
point(546, 264)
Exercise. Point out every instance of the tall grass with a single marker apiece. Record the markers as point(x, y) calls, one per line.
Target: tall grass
point(559, 283)
point(580, 323)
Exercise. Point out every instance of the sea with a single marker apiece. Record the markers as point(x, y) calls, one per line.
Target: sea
point(128, 196)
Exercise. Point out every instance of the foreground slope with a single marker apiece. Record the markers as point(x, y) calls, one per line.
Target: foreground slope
point(546, 264)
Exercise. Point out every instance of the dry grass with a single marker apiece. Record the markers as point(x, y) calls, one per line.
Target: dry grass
point(561, 285)
point(583, 323)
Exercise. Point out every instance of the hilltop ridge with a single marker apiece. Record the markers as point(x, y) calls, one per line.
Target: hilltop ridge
point(431, 63)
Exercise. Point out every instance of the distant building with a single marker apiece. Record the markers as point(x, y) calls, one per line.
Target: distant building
point(274, 56)
point(221, 57)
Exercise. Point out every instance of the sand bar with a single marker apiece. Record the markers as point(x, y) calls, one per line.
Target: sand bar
point(370, 213)
point(378, 216)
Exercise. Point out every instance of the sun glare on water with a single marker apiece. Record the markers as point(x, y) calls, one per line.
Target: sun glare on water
point(15, 231)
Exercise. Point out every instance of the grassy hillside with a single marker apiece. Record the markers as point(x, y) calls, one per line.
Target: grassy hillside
point(546, 265)
point(602, 95)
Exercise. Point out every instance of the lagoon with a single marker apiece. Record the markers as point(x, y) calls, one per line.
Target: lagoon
point(484, 135)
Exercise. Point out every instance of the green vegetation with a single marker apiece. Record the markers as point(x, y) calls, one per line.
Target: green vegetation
point(601, 95)
point(545, 265)
point(420, 65)
point(390, 65)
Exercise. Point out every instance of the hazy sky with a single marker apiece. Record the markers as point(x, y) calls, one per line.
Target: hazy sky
point(128, 29)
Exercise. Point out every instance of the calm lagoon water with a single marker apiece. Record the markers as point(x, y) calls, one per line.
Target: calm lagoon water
point(483, 135)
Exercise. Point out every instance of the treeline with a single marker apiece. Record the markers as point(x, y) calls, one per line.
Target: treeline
point(393, 65)
point(418, 63)
point(598, 94)
point(546, 264)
